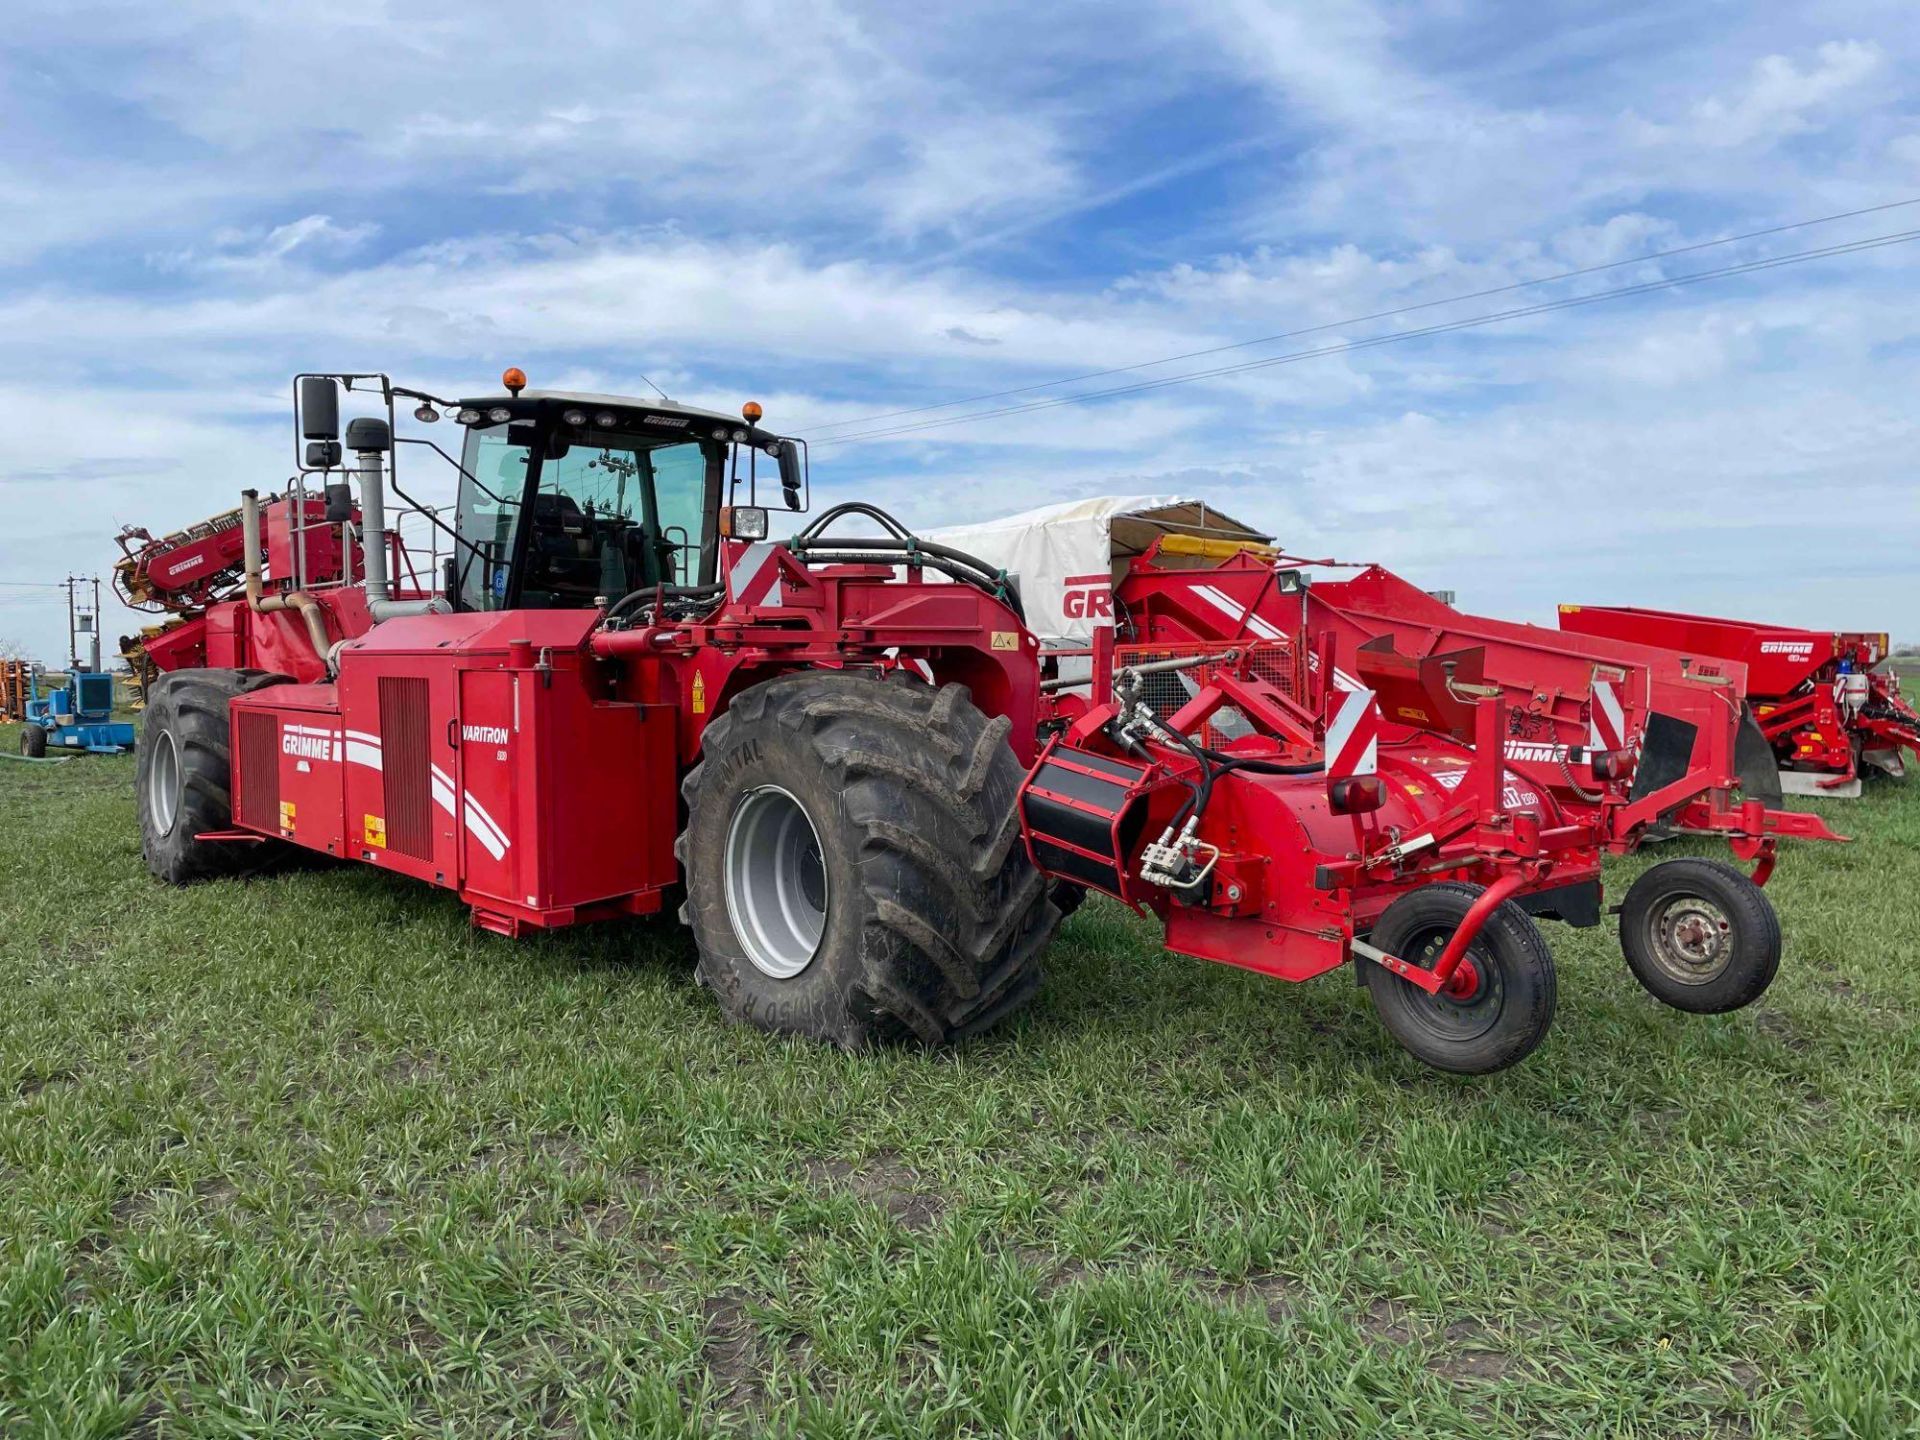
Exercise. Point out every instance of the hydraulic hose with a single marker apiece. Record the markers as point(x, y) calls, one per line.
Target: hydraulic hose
point(900, 546)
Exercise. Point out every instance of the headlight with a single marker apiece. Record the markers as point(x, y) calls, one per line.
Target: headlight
point(574, 417)
point(606, 419)
point(469, 416)
point(499, 414)
point(744, 522)
point(739, 436)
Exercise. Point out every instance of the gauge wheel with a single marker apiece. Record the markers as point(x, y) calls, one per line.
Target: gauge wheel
point(1499, 1005)
point(1700, 936)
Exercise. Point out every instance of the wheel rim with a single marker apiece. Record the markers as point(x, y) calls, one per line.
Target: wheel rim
point(776, 882)
point(163, 782)
point(1449, 1016)
point(1691, 940)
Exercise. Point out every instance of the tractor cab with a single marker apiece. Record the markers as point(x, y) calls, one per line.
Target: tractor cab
point(568, 501)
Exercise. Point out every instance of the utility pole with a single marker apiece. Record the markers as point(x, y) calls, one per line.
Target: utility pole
point(79, 621)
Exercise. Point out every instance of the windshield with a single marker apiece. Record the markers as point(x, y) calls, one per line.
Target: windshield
point(612, 513)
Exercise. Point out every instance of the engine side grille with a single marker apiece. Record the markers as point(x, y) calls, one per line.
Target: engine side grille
point(1273, 661)
point(257, 741)
point(405, 782)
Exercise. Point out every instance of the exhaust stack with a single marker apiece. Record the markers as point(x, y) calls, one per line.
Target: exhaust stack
point(368, 438)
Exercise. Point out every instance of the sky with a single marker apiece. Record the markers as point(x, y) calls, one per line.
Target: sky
point(846, 211)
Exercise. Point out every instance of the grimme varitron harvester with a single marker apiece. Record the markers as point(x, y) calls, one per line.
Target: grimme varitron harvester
point(1821, 698)
point(619, 693)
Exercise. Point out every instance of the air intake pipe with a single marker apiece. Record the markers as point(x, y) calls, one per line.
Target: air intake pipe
point(262, 603)
point(368, 438)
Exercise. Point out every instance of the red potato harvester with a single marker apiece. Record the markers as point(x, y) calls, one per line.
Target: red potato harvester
point(1628, 742)
point(1817, 696)
point(619, 693)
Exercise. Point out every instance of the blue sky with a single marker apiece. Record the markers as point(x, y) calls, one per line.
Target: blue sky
point(845, 210)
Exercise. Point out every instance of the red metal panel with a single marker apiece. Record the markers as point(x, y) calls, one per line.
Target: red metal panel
point(1779, 658)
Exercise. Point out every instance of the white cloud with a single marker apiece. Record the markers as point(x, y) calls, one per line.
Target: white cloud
point(1779, 99)
point(843, 209)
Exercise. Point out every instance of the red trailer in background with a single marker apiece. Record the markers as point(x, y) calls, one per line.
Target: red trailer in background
point(1817, 696)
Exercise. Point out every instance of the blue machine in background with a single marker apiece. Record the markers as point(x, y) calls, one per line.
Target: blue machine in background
point(76, 716)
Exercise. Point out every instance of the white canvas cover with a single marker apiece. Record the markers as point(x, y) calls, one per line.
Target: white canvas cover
point(1067, 556)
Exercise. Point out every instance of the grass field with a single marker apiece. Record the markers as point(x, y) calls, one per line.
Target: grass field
point(309, 1156)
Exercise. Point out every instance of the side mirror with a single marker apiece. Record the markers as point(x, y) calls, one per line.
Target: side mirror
point(319, 407)
point(793, 474)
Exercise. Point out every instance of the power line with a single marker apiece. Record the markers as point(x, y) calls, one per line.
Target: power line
point(1362, 319)
point(1343, 347)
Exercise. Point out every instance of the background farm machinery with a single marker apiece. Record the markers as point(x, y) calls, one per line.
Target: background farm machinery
point(76, 714)
point(1818, 697)
point(876, 803)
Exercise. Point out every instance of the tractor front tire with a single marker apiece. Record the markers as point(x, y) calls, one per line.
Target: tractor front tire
point(33, 741)
point(1510, 1007)
point(183, 777)
point(853, 862)
point(1700, 936)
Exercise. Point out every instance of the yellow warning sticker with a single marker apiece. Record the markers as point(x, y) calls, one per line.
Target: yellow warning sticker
point(375, 827)
point(286, 816)
point(1006, 639)
point(699, 693)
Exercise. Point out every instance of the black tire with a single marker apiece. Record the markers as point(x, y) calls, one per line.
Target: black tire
point(187, 717)
point(1700, 936)
point(931, 917)
point(1509, 1013)
point(33, 741)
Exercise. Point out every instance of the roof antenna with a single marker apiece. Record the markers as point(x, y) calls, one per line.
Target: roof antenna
point(657, 390)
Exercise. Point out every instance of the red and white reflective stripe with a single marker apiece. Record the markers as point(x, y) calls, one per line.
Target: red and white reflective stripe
point(1353, 736)
point(754, 577)
point(1606, 719)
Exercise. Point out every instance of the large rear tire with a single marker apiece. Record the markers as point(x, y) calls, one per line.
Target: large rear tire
point(183, 773)
point(1508, 1011)
point(853, 862)
point(1700, 936)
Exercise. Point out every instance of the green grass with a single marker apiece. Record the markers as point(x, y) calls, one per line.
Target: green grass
point(309, 1156)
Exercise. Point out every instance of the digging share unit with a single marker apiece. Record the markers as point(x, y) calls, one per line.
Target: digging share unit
point(836, 755)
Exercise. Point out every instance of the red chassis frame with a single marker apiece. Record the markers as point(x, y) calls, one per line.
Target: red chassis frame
point(468, 750)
